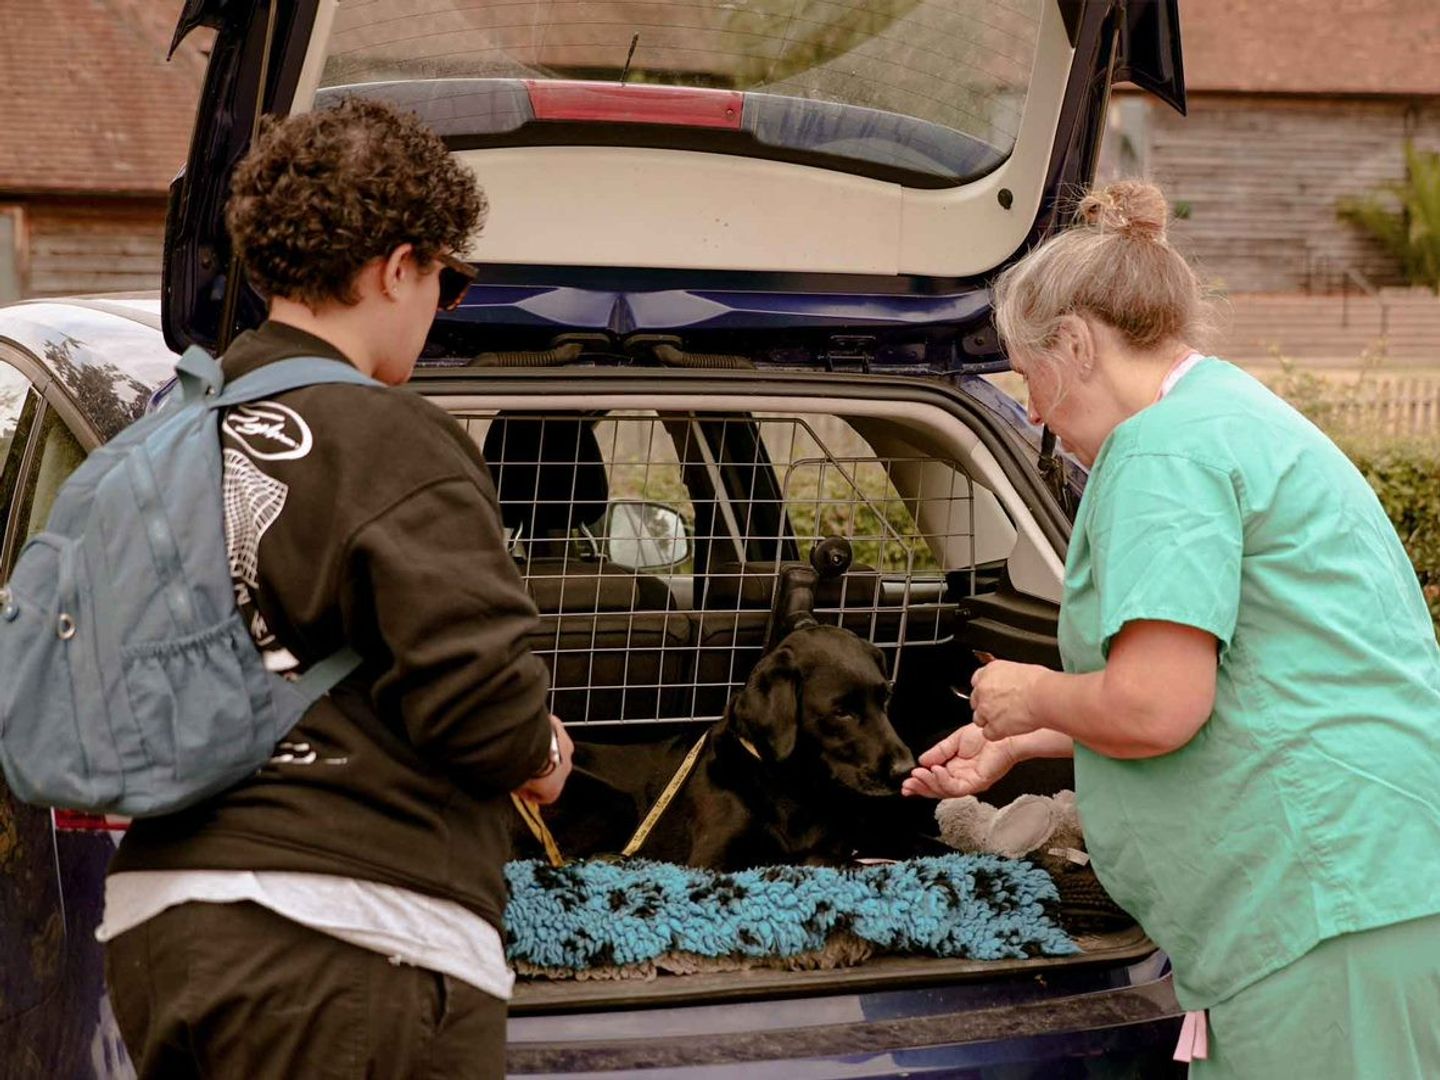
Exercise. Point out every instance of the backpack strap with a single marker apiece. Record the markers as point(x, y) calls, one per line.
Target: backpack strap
point(200, 375)
point(324, 675)
point(286, 375)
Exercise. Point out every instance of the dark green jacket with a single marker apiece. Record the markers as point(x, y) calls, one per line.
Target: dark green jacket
point(366, 516)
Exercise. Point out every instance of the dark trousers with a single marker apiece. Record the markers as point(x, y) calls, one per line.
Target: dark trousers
point(234, 990)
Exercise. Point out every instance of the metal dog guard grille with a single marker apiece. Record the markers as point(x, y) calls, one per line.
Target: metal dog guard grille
point(659, 643)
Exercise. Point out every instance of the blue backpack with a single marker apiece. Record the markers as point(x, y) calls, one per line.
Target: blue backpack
point(129, 683)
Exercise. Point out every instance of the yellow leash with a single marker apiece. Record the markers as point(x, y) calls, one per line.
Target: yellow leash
point(530, 812)
point(663, 802)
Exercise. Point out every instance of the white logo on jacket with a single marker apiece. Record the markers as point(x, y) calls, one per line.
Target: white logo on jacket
point(269, 431)
point(302, 753)
point(252, 503)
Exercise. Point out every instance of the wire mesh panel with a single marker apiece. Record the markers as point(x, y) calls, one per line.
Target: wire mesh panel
point(653, 544)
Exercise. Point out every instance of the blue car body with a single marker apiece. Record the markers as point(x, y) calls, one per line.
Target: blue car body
point(98, 363)
point(93, 364)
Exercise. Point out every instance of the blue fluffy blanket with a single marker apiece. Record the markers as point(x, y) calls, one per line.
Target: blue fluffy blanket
point(594, 914)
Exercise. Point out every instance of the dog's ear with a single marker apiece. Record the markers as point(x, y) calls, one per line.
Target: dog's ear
point(879, 657)
point(766, 710)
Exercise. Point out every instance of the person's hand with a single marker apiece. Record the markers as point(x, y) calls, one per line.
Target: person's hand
point(963, 763)
point(545, 788)
point(1001, 696)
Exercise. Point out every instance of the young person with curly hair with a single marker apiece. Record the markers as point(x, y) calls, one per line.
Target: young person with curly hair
point(1251, 684)
point(339, 913)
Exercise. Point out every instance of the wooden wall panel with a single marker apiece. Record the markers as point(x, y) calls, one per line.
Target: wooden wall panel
point(93, 245)
point(1261, 176)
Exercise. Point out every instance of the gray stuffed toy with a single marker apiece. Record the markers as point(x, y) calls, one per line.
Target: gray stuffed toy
point(1045, 828)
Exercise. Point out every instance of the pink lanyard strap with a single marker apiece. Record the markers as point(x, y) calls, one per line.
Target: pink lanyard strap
point(1194, 1044)
point(1178, 371)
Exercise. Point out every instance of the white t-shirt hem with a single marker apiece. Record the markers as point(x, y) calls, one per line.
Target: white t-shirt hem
point(407, 927)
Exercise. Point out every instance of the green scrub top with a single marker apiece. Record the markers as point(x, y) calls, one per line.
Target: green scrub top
point(1308, 805)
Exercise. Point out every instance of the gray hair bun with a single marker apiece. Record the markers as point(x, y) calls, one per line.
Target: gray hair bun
point(1133, 208)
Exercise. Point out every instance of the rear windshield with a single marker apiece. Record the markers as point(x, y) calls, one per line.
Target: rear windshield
point(933, 89)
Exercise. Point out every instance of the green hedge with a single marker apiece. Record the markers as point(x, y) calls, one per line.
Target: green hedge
point(1406, 476)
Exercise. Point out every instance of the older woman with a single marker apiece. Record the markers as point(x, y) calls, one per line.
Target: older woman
point(1252, 685)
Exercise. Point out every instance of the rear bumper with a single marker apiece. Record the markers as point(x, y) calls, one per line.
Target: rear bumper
point(904, 1033)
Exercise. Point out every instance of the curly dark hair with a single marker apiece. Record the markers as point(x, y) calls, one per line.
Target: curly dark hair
point(322, 193)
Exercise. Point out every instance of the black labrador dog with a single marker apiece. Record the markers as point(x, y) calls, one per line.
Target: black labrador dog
point(792, 773)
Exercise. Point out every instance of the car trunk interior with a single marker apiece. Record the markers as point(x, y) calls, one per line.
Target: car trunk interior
point(653, 518)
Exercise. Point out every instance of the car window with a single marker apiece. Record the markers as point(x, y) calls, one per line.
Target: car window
point(733, 497)
point(835, 484)
point(820, 470)
point(932, 88)
point(602, 528)
point(789, 481)
point(14, 388)
point(18, 406)
point(58, 455)
point(644, 467)
point(642, 470)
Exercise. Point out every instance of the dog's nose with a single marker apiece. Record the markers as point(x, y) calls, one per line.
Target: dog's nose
point(900, 770)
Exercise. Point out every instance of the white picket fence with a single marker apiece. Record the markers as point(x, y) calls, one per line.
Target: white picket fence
point(1397, 406)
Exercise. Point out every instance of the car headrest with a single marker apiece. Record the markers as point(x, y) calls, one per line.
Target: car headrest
point(548, 472)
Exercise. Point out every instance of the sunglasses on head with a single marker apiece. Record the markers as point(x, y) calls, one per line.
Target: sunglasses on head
point(455, 277)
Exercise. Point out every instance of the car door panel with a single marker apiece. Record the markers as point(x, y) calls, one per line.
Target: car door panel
point(32, 931)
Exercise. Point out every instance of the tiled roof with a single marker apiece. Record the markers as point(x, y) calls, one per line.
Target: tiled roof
point(87, 99)
point(1309, 47)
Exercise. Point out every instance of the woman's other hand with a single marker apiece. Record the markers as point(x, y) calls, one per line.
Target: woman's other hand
point(1001, 699)
point(967, 763)
point(963, 763)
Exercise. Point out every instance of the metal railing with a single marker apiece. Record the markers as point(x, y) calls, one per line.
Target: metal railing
point(1325, 271)
point(1351, 275)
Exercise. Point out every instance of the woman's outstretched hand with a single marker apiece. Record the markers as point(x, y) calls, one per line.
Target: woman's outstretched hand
point(963, 763)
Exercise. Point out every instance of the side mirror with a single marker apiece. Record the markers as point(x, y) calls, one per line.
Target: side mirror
point(645, 535)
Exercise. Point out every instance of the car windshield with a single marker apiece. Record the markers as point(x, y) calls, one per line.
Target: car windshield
point(932, 91)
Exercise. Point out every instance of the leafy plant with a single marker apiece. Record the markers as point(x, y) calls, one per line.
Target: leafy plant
point(1404, 216)
point(1406, 476)
point(1327, 403)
